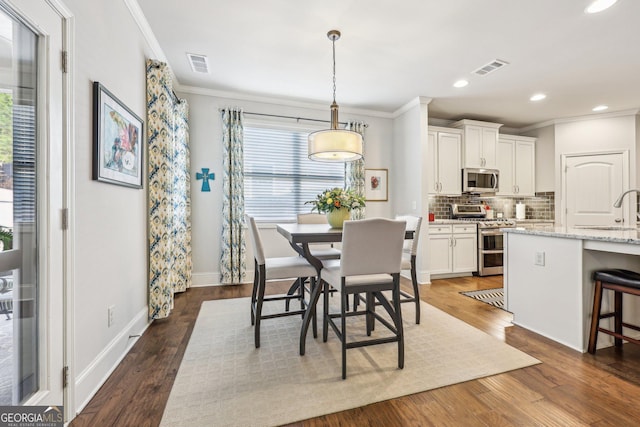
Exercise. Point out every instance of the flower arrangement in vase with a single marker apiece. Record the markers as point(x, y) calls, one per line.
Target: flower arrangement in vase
point(337, 203)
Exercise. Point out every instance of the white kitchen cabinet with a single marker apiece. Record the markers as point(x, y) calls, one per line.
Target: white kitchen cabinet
point(453, 249)
point(516, 157)
point(480, 140)
point(445, 153)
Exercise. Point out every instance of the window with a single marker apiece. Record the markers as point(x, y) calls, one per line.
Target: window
point(279, 177)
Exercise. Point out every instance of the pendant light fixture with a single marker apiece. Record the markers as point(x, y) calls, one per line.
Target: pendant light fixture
point(335, 145)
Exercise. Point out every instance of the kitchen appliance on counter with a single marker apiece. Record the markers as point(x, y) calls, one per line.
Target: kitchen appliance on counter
point(490, 238)
point(480, 181)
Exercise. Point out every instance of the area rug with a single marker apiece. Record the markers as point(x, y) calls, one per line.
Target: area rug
point(494, 297)
point(225, 381)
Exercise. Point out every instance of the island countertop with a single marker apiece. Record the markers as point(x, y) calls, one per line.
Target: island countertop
point(605, 234)
point(548, 278)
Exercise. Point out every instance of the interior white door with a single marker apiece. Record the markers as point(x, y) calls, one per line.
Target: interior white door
point(36, 259)
point(592, 184)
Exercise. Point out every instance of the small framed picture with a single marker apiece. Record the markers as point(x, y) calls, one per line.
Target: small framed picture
point(376, 185)
point(118, 138)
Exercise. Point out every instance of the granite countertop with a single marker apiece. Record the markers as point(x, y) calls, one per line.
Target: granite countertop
point(450, 221)
point(458, 221)
point(612, 234)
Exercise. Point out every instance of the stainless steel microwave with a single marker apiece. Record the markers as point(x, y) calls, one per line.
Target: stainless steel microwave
point(480, 181)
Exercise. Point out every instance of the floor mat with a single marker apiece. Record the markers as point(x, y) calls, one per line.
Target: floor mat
point(494, 297)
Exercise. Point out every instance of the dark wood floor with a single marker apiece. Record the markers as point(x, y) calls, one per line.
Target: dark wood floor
point(567, 389)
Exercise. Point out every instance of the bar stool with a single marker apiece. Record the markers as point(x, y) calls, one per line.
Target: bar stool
point(621, 282)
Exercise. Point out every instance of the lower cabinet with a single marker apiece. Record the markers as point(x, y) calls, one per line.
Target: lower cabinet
point(453, 248)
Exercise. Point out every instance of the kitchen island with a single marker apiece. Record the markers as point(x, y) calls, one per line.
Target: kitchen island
point(548, 279)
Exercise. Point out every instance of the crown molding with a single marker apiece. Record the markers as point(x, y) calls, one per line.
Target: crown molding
point(276, 101)
point(149, 36)
point(610, 115)
point(418, 100)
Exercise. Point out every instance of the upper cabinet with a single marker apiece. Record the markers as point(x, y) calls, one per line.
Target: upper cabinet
point(445, 151)
point(516, 157)
point(480, 143)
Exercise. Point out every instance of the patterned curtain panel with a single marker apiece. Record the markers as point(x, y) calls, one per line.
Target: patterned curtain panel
point(233, 266)
point(354, 171)
point(170, 265)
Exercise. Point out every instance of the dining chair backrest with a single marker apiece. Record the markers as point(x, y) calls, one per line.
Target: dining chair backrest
point(312, 218)
point(258, 251)
point(413, 223)
point(372, 246)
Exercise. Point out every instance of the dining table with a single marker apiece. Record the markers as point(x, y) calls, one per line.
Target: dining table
point(300, 236)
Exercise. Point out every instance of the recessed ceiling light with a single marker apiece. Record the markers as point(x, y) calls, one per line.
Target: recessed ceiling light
point(600, 108)
point(599, 6)
point(461, 83)
point(538, 97)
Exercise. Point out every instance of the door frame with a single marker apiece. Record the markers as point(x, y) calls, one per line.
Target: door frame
point(68, 190)
point(626, 213)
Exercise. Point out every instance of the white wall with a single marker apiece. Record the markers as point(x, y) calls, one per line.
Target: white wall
point(206, 151)
point(591, 135)
point(110, 221)
point(410, 171)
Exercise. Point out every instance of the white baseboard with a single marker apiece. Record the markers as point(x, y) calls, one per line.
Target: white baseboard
point(205, 279)
point(213, 279)
point(89, 381)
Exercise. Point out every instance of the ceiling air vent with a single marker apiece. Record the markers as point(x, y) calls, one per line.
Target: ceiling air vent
point(199, 63)
point(490, 67)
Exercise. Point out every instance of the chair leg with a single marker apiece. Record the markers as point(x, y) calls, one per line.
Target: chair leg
point(325, 315)
point(314, 327)
point(618, 317)
point(294, 286)
point(370, 307)
point(343, 321)
point(260, 300)
point(595, 317)
point(398, 321)
point(416, 289)
point(253, 292)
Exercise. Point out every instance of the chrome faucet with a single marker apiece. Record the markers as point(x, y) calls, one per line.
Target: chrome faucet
point(618, 202)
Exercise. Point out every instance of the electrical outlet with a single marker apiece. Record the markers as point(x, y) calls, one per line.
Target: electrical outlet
point(111, 311)
point(414, 205)
point(539, 258)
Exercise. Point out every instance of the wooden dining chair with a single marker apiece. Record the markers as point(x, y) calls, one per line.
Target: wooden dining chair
point(279, 268)
point(409, 252)
point(370, 264)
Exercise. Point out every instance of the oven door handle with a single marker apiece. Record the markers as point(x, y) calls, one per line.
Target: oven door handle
point(491, 251)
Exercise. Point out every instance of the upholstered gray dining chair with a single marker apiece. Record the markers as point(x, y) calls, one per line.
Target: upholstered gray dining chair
point(274, 269)
point(409, 252)
point(370, 264)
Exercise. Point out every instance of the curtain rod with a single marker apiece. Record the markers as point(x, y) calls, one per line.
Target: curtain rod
point(292, 117)
point(175, 97)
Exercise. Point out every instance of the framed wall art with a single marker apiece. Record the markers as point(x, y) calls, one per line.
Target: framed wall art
point(118, 140)
point(376, 185)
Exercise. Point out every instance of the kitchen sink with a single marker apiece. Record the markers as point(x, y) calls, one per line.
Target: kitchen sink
point(606, 227)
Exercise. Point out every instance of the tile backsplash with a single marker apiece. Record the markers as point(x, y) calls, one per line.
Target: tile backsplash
point(541, 206)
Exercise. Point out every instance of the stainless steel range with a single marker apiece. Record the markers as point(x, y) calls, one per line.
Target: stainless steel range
point(490, 238)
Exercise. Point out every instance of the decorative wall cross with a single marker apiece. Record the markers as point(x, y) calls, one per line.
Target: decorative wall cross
point(205, 176)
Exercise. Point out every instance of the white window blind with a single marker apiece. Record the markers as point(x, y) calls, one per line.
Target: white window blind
point(278, 176)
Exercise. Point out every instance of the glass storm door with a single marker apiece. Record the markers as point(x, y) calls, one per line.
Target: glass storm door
point(31, 291)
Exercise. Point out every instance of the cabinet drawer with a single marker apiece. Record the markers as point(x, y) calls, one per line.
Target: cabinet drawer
point(464, 228)
point(440, 229)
